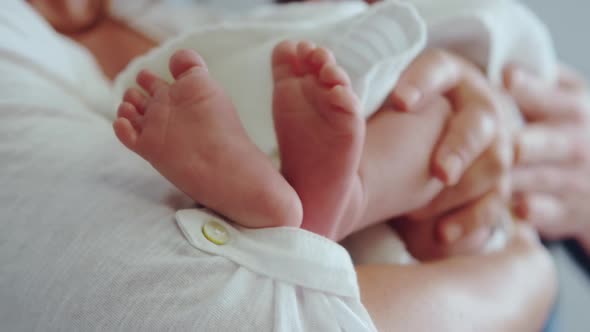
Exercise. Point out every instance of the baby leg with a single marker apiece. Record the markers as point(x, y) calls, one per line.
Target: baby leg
point(320, 133)
point(190, 132)
point(395, 166)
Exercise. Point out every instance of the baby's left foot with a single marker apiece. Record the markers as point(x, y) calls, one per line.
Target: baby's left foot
point(320, 133)
point(190, 132)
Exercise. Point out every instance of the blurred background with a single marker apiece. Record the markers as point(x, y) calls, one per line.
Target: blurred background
point(569, 24)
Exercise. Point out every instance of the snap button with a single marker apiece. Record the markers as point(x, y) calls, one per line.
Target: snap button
point(215, 232)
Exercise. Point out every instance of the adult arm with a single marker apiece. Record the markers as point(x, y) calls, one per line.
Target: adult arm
point(511, 290)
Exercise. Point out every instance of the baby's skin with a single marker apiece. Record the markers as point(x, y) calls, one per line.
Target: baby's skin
point(190, 132)
point(320, 133)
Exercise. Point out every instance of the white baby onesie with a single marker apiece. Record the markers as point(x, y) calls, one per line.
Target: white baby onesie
point(374, 44)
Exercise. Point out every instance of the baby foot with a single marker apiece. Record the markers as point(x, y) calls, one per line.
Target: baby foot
point(190, 132)
point(320, 133)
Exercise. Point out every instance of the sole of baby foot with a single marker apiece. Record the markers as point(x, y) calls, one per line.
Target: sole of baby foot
point(190, 132)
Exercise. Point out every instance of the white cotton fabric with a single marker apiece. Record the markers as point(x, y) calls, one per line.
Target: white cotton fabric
point(93, 239)
point(89, 238)
point(303, 281)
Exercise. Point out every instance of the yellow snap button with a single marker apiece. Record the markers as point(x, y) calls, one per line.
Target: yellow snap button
point(215, 232)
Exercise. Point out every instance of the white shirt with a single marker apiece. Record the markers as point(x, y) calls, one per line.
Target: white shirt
point(91, 238)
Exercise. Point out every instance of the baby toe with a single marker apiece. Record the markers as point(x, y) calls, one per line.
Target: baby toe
point(304, 51)
point(284, 59)
point(128, 111)
point(343, 99)
point(332, 74)
point(184, 61)
point(150, 82)
point(321, 56)
point(125, 133)
point(134, 97)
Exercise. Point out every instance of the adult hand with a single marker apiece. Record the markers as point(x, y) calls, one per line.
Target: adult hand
point(461, 218)
point(476, 121)
point(552, 180)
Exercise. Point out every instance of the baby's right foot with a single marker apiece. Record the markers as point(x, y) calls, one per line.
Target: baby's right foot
point(320, 133)
point(189, 131)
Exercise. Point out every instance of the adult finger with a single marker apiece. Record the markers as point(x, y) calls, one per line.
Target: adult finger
point(524, 236)
point(431, 74)
point(548, 179)
point(488, 172)
point(547, 144)
point(570, 79)
point(471, 131)
point(485, 214)
point(436, 72)
point(541, 100)
point(467, 135)
point(422, 241)
point(546, 212)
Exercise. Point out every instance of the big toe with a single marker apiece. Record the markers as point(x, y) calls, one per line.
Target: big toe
point(284, 60)
point(184, 61)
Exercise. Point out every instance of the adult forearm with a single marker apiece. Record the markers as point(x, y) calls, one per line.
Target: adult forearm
point(508, 291)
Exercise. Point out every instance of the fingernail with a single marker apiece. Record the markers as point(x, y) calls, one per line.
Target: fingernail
point(451, 167)
point(453, 232)
point(408, 95)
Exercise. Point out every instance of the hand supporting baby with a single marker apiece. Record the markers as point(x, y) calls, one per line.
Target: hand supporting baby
point(473, 157)
point(551, 179)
